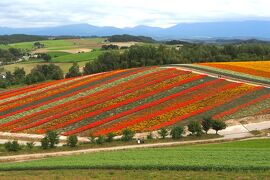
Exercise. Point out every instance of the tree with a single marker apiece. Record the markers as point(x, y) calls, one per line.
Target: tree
point(110, 137)
point(100, 139)
point(127, 135)
point(44, 143)
point(53, 138)
point(12, 146)
point(177, 132)
point(34, 77)
point(46, 57)
point(218, 125)
point(50, 140)
point(207, 124)
point(163, 132)
point(19, 75)
point(195, 127)
point(74, 71)
point(72, 141)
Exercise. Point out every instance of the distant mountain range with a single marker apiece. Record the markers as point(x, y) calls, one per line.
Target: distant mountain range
point(203, 30)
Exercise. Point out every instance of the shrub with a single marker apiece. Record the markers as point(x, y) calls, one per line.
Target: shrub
point(218, 125)
point(74, 71)
point(127, 135)
point(30, 145)
point(207, 124)
point(195, 127)
point(100, 139)
point(12, 146)
point(110, 137)
point(72, 141)
point(177, 132)
point(163, 132)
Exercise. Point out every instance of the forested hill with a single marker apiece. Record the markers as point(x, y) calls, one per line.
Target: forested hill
point(16, 38)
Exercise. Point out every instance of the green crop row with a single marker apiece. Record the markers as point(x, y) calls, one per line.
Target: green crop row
point(242, 155)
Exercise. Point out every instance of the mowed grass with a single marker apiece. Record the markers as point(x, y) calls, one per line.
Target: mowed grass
point(240, 155)
point(131, 174)
point(78, 57)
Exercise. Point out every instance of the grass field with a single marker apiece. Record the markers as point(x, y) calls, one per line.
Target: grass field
point(55, 54)
point(53, 45)
point(132, 174)
point(28, 66)
point(78, 57)
point(240, 155)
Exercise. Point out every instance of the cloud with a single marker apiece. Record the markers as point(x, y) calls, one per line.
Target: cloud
point(127, 13)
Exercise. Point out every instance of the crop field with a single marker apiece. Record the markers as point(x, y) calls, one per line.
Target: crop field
point(238, 155)
point(258, 71)
point(104, 174)
point(142, 99)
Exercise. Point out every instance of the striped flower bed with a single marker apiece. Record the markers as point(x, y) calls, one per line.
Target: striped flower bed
point(142, 99)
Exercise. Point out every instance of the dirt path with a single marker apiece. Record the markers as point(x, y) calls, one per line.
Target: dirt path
point(236, 132)
point(228, 78)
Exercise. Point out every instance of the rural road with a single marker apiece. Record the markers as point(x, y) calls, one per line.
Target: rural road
point(27, 157)
point(231, 133)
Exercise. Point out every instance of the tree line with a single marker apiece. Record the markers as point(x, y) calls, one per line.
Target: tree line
point(38, 74)
point(10, 55)
point(16, 38)
point(149, 55)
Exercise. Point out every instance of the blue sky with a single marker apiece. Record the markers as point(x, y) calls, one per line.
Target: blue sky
point(128, 13)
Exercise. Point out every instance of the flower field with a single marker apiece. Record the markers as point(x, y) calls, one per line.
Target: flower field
point(258, 71)
point(142, 99)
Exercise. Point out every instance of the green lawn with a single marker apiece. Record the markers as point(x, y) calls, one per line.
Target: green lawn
point(241, 155)
point(78, 57)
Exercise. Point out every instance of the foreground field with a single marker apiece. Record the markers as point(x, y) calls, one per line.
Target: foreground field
point(132, 174)
point(239, 155)
point(142, 99)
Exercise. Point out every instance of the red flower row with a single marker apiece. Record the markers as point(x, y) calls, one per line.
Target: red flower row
point(68, 95)
point(121, 104)
point(233, 110)
point(45, 120)
point(165, 110)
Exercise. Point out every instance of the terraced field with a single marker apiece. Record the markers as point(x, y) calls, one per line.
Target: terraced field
point(142, 99)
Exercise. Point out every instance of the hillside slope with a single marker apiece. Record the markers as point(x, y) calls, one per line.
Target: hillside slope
point(142, 99)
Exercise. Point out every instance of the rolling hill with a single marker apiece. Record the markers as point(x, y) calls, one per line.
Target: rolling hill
point(142, 99)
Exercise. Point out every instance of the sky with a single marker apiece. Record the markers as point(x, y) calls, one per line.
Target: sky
point(128, 13)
